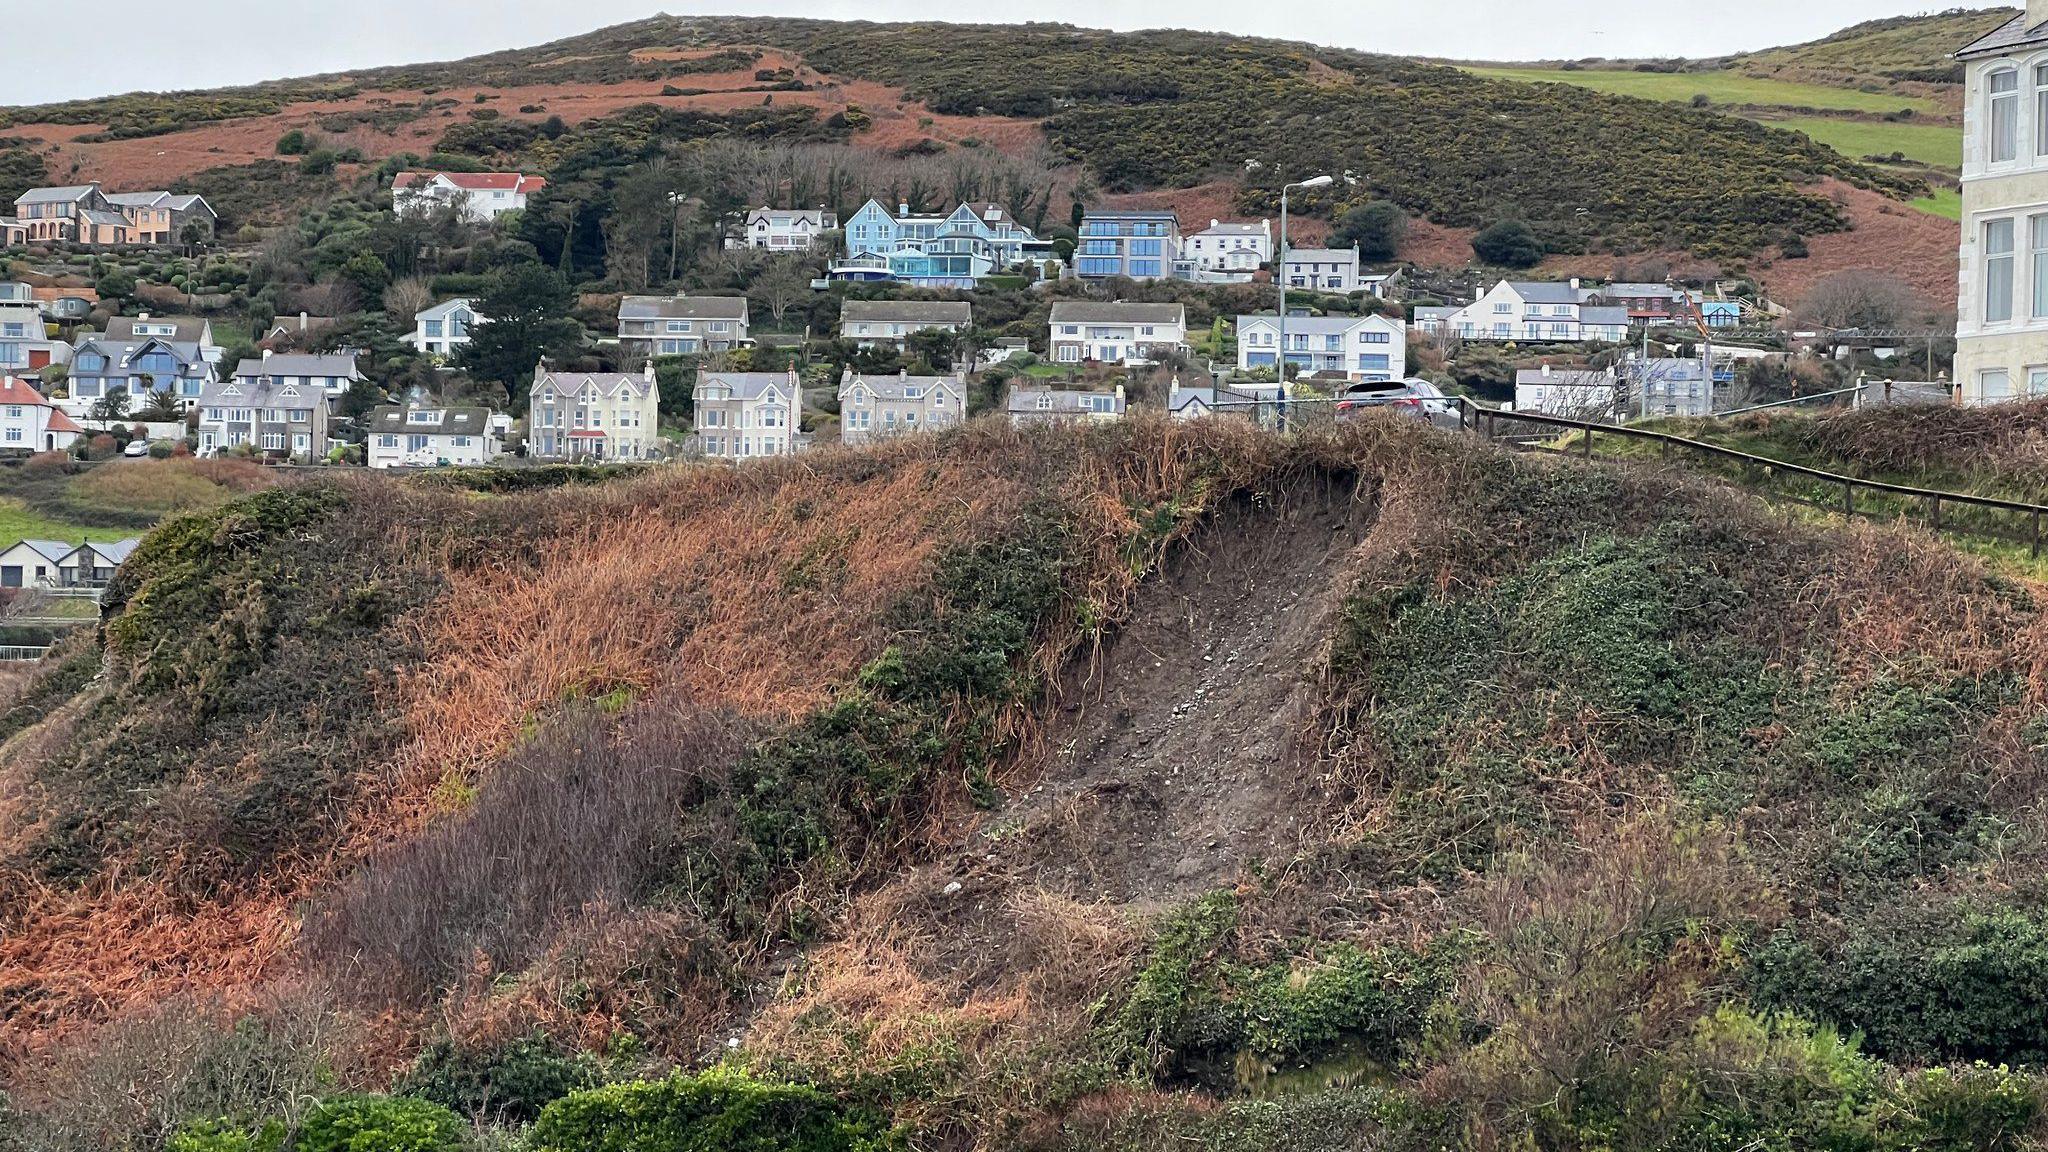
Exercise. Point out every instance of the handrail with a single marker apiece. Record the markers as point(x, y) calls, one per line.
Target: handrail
point(1934, 497)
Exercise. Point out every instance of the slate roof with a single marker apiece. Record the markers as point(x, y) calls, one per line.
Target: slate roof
point(683, 308)
point(257, 395)
point(116, 550)
point(1231, 228)
point(1322, 255)
point(1090, 312)
point(1132, 214)
point(746, 385)
point(187, 329)
point(1209, 397)
point(2015, 33)
point(892, 387)
point(1604, 316)
point(1566, 378)
point(104, 217)
point(440, 311)
point(52, 550)
point(338, 364)
point(68, 194)
point(1545, 291)
point(1024, 401)
point(120, 353)
point(906, 312)
point(453, 421)
point(1317, 325)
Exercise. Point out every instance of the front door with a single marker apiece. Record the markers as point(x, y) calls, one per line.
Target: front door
point(10, 576)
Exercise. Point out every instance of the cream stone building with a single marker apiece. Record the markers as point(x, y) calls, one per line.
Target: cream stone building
point(594, 415)
point(2002, 306)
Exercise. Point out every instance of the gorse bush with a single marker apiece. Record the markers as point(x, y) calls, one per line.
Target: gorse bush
point(510, 1084)
point(719, 1111)
point(379, 1124)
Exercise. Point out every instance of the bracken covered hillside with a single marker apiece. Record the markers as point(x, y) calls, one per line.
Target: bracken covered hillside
point(1143, 111)
point(1154, 786)
point(1901, 48)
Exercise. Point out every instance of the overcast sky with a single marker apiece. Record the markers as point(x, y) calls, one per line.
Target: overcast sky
point(225, 42)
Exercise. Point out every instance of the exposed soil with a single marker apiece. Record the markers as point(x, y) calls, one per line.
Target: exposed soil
point(1175, 765)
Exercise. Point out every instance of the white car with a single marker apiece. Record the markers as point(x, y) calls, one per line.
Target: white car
point(136, 448)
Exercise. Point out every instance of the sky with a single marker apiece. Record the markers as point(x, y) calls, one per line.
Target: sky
point(250, 40)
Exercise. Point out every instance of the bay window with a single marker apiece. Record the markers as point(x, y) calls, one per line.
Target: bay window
point(2005, 116)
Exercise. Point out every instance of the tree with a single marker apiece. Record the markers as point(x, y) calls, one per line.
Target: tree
point(368, 274)
point(1859, 299)
point(112, 407)
point(528, 309)
point(780, 285)
point(1375, 229)
point(407, 298)
point(1508, 244)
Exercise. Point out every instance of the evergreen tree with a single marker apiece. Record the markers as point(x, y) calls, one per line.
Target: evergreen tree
point(528, 311)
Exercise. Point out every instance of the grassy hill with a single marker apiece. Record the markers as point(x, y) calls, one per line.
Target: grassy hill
point(1899, 48)
point(1142, 111)
point(1152, 786)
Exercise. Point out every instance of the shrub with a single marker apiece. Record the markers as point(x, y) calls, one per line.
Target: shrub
point(44, 465)
point(292, 143)
point(510, 1084)
point(380, 1124)
point(1508, 244)
point(719, 1111)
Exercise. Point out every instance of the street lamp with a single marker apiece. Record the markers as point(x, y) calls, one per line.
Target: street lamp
point(1280, 278)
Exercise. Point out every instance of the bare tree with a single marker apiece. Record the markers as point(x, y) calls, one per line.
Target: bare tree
point(781, 285)
point(407, 298)
point(1859, 299)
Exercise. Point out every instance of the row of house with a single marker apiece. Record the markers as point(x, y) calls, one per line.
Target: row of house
point(51, 565)
point(84, 214)
point(1571, 311)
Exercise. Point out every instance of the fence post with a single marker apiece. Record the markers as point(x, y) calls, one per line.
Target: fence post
point(1849, 499)
point(2035, 551)
point(1589, 444)
point(1488, 414)
point(1934, 511)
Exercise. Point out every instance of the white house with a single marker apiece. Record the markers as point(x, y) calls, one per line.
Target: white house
point(1087, 332)
point(1323, 269)
point(424, 436)
point(2002, 306)
point(779, 230)
point(1195, 402)
point(1671, 387)
point(34, 564)
point(29, 423)
point(875, 322)
point(876, 407)
point(1029, 404)
point(1226, 246)
point(594, 415)
point(443, 330)
point(1576, 393)
point(333, 374)
point(480, 196)
point(1531, 311)
point(1360, 347)
point(683, 325)
point(744, 415)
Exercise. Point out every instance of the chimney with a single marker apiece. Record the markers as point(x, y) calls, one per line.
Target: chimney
point(266, 353)
point(2037, 13)
point(647, 370)
point(144, 316)
point(1575, 283)
point(303, 319)
point(903, 207)
point(1546, 369)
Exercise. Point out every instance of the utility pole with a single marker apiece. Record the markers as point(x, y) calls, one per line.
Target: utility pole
point(1280, 278)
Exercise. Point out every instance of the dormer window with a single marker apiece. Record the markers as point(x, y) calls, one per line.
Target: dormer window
point(2004, 86)
point(423, 417)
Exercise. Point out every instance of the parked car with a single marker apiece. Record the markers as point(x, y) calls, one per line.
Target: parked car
point(136, 447)
point(1396, 395)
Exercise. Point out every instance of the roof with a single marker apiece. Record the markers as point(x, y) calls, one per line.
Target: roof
point(60, 421)
point(2015, 33)
point(215, 394)
point(116, 550)
point(1232, 228)
point(1323, 255)
point(60, 292)
point(1670, 368)
point(1566, 377)
point(1091, 312)
point(452, 421)
point(906, 312)
point(1024, 401)
point(574, 383)
point(1651, 291)
point(52, 550)
point(120, 353)
point(1318, 325)
point(185, 329)
point(335, 364)
point(1208, 397)
point(1434, 312)
point(137, 199)
point(69, 194)
point(1604, 316)
point(474, 181)
point(683, 308)
point(440, 311)
point(746, 385)
point(13, 391)
point(893, 387)
point(1131, 214)
point(104, 217)
point(1545, 291)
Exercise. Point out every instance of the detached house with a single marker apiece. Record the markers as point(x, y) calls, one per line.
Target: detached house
point(683, 325)
point(330, 375)
point(1230, 247)
point(424, 436)
point(25, 343)
point(56, 214)
point(1141, 245)
point(279, 417)
point(1087, 332)
point(1574, 393)
point(742, 415)
point(1029, 404)
point(777, 230)
point(1530, 311)
point(480, 197)
point(29, 423)
point(1647, 303)
point(443, 330)
point(1360, 347)
point(139, 367)
point(594, 415)
point(13, 233)
point(953, 250)
point(876, 322)
point(162, 217)
point(876, 407)
point(1323, 269)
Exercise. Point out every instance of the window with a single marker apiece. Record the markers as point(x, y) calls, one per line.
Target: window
point(2005, 116)
point(14, 411)
point(2041, 109)
point(1998, 270)
point(273, 441)
point(2037, 241)
point(13, 434)
point(434, 329)
point(1995, 385)
point(1503, 309)
point(1374, 338)
point(2037, 382)
point(387, 441)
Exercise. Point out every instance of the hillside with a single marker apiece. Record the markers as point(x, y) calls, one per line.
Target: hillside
point(1142, 111)
point(1901, 48)
point(1154, 786)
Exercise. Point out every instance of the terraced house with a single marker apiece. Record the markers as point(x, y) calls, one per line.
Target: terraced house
point(1357, 347)
point(1087, 332)
point(876, 407)
point(1141, 245)
point(872, 323)
point(744, 415)
point(682, 325)
point(594, 415)
point(2002, 305)
point(279, 417)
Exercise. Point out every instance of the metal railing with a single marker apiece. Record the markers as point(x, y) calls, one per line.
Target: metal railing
point(1956, 513)
point(21, 654)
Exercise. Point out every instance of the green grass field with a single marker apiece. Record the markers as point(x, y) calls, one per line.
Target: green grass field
point(1936, 145)
point(17, 522)
point(1945, 202)
point(1723, 88)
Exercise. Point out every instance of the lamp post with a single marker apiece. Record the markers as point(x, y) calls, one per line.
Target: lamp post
point(1280, 278)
